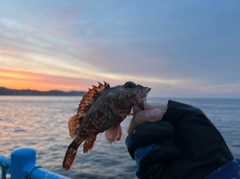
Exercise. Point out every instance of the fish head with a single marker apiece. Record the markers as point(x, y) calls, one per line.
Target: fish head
point(130, 94)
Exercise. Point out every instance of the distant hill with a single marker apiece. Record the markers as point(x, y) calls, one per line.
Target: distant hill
point(27, 92)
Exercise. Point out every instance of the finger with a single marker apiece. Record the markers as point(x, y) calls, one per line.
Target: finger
point(151, 133)
point(136, 109)
point(148, 106)
point(141, 117)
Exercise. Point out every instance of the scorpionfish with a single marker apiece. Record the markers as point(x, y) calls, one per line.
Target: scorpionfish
point(101, 109)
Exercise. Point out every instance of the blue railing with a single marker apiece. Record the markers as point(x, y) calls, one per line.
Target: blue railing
point(22, 165)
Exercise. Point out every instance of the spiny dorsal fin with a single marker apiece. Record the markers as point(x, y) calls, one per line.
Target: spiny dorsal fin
point(86, 102)
point(90, 97)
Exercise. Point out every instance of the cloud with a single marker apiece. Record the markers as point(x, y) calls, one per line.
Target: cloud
point(188, 47)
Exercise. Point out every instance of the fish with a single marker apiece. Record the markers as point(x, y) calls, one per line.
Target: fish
point(102, 109)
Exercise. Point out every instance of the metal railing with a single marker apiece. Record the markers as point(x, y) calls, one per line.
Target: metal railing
point(22, 165)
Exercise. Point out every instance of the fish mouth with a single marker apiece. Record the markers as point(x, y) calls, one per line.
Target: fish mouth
point(139, 103)
point(139, 100)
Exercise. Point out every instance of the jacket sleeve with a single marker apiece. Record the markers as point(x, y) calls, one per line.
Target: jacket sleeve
point(231, 170)
point(202, 145)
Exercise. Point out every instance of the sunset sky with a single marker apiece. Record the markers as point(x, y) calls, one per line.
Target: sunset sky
point(187, 48)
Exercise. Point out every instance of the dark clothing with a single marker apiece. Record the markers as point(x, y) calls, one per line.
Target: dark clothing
point(185, 145)
point(231, 170)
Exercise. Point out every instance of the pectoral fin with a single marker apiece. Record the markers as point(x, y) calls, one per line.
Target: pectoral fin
point(114, 133)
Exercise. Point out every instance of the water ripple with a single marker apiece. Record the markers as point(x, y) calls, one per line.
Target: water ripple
point(41, 123)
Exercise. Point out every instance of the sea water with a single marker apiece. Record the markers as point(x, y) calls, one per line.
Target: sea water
point(41, 123)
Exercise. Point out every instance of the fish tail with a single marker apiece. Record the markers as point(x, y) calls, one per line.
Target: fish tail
point(71, 153)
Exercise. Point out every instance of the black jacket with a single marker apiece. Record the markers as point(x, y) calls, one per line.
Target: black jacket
point(187, 145)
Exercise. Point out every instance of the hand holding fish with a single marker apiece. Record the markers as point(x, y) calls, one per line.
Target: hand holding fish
point(149, 114)
point(182, 143)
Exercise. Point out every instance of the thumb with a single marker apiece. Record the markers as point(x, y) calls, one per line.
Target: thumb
point(148, 115)
point(149, 106)
point(153, 115)
point(137, 109)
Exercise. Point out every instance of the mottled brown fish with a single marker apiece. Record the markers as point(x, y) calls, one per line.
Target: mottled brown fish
point(102, 108)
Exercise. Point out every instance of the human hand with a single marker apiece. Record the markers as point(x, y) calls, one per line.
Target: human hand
point(149, 114)
point(151, 144)
point(183, 138)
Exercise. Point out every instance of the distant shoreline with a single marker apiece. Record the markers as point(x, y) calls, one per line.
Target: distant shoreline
point(27, 92)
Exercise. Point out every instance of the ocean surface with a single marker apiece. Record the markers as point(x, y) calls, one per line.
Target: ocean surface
point(41, 123)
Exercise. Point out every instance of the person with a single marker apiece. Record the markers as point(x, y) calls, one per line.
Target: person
point(178, 141)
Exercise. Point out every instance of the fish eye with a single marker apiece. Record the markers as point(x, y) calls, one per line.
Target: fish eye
point(130, 84)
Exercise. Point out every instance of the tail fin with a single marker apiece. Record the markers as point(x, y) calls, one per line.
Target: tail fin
point(71, 153)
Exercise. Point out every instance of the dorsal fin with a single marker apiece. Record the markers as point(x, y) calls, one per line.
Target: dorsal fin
point(90, 97)
point(84, 105)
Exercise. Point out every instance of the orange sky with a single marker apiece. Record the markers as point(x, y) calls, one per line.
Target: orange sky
point(70, 46)
point(27, 80)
